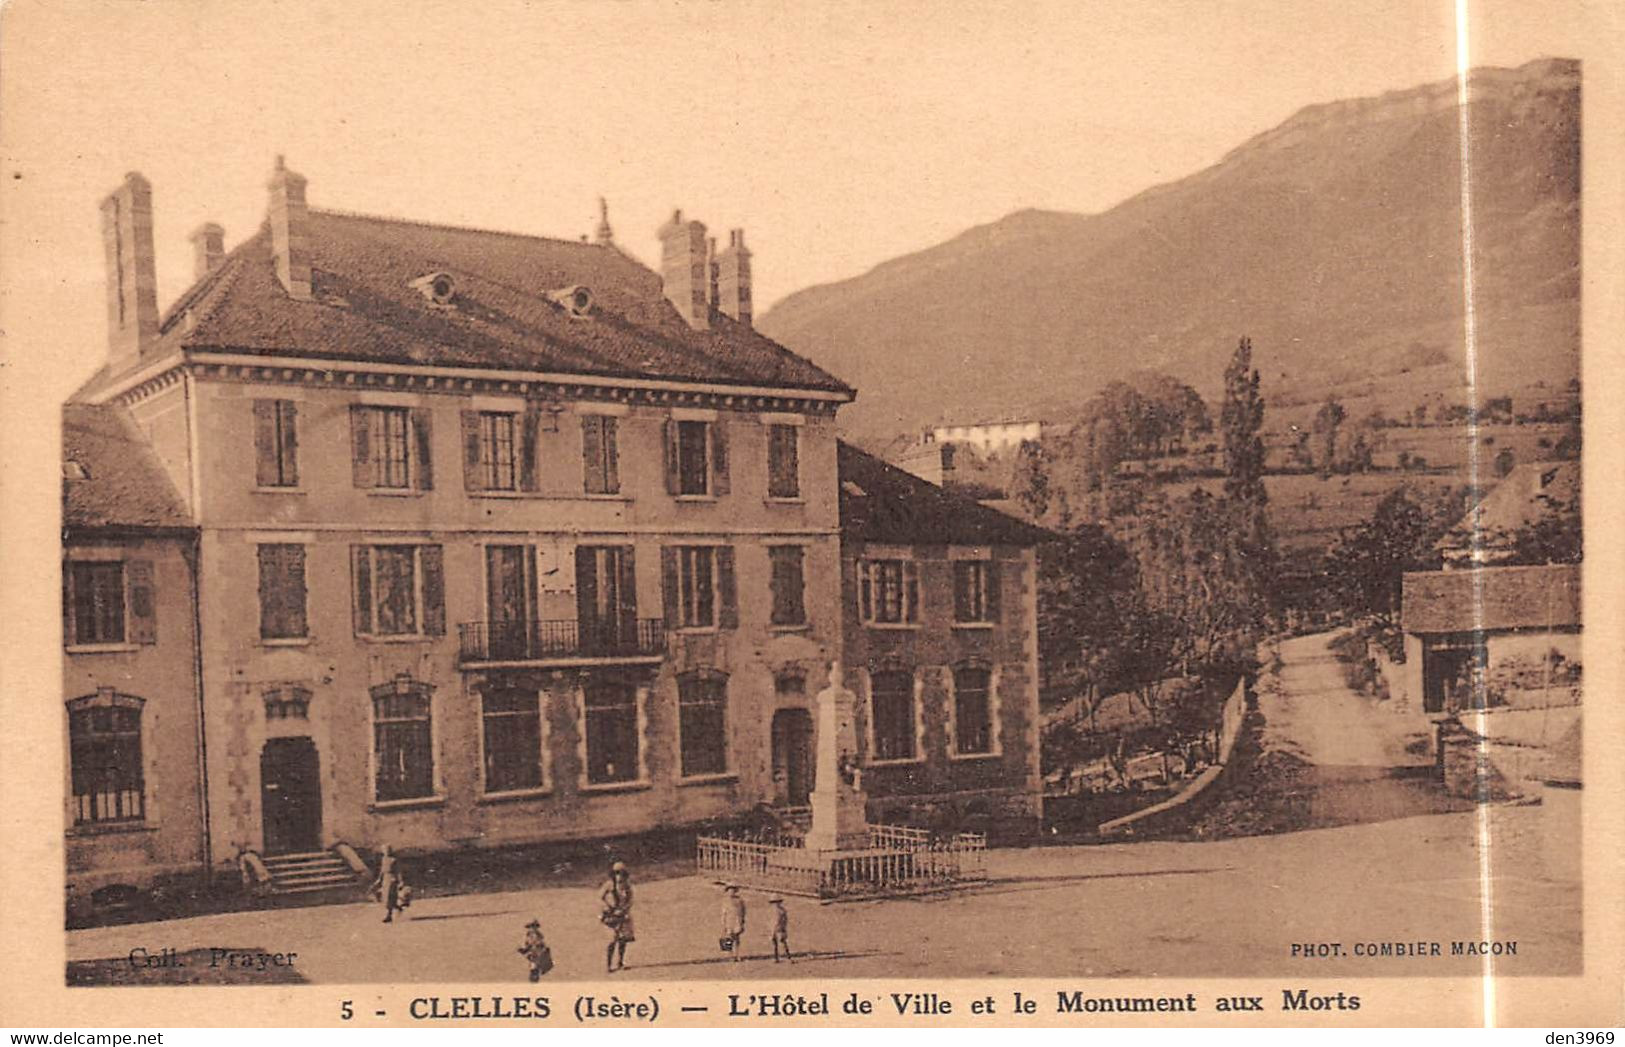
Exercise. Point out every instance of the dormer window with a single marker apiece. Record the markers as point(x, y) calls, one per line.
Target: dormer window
point(576, 300)
point(438, 288)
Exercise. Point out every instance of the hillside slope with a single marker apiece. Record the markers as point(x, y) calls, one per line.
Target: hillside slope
point(1334, 240)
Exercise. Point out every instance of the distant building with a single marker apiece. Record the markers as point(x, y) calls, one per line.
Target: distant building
point(1528, 492)
point(988, 437)
point(939, 602)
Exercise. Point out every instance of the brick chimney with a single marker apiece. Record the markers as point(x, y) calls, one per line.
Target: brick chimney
point(132, 272)
point(683, 270)
point(290, 231)
point(733, 278)
point(208, 249)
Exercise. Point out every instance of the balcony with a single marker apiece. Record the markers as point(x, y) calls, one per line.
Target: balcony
point(561, 642)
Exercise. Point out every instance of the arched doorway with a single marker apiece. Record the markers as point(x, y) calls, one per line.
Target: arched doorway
point(794, 771)
point(291, 796)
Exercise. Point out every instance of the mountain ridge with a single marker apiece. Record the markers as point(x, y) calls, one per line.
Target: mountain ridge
point(1340, 225)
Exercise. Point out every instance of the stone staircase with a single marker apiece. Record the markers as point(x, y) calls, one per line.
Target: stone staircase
point(309, 873)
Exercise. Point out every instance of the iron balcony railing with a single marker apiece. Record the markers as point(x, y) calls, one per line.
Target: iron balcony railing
point(536, 641)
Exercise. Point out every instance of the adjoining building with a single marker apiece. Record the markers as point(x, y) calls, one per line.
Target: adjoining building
point(135, 812)
point(941, 634)
point(498, 539)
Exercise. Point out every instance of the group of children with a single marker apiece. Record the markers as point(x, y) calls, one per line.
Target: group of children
point(535, 951)
point(733, 924)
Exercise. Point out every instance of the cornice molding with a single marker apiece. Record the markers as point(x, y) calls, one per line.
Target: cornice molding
point(457, 381)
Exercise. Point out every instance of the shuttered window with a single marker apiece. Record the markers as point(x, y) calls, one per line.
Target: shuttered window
point(276, 443)
point(788, 583)
point(403, 741)
point(390, 448)
point(282, 591)
point(702, 706)
point(889, 592)
point(892, 707)
point(700, 587)
point(783, 464)
point(105, 750)
point(600, 454)
point(976, 591)
point(96, 597)
point(497, 457)
point(513, 739)
point(398, 590)
point(693, 473)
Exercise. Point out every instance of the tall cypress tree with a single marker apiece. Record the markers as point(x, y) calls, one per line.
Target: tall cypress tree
point(1241, 419)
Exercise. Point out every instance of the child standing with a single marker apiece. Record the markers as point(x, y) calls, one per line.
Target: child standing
point(781, 929)
point(536, 951)
point(733, 921)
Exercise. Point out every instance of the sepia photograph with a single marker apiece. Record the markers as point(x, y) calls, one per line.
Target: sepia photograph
point(592, 502)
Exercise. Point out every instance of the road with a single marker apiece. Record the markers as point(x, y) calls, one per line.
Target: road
point(1379, 871)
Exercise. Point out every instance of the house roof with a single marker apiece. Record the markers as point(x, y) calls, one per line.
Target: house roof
point(1492, 598)
point(1524, 495)
point(364, 308)
point(110, 476)
point(882, 503)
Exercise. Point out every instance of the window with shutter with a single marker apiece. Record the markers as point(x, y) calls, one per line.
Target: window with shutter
point(727, 589)
point(695, 582)
point(975, 592)
point(96, 597)
point(282, 591)
point(693, 458)
point(276, 443)
point(788, 585)
point(399, 590)
point(783, 464)
point(497, 457)
point(889, 592)
point(600, 456)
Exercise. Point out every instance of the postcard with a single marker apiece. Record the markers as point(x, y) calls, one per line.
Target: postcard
point(979, 515)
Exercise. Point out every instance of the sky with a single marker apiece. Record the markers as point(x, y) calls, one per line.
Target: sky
point(838, 135)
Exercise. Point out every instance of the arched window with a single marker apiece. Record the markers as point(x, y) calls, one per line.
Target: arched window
point(403, 742)
point(892, 706)
point(104, 732)
point(702, 705)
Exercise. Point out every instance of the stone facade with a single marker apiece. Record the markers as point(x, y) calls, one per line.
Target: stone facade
point(998, 791)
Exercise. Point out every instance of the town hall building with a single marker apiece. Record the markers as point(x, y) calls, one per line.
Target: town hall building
point(468, 539)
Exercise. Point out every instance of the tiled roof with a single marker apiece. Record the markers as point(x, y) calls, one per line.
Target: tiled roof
point(110, 476)
point(1492, 598)
point(363, 308)
point(882, 503)
point(1527, 492)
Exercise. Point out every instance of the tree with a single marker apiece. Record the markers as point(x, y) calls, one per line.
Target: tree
point(1328, 420)
point(1368, 563)
point(1244, 509)
point(1031, 484)
point(1555, 536)
point(1241, 417)
point(1088, 601)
